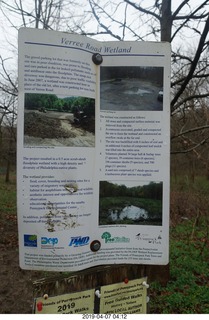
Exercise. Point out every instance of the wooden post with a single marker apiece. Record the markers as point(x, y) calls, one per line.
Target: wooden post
point(98, 276)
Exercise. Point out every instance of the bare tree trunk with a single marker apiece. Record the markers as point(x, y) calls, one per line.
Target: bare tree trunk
point(1, 139)
point(38, 12)
point(166, 21)
point(7, 178)
point(207, 171)
point(7, 171)
point(193, 169)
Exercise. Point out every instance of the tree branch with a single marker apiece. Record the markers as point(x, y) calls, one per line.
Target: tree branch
point(6, 76)
point(194, 64)
point(191, 149)
point(139, 8)
point(108, 31)
point(189, 131)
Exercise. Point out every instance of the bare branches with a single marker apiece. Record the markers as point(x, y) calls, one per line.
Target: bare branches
point(44, 14)
point(189, 131)
point(191, 16)
point(8, 99)
point(193, 65)
point(176, 12)
point(134, 20)
point(143, 10)
point(107, 29)
point(201, 143)
point(125, 22)
point(7, 86)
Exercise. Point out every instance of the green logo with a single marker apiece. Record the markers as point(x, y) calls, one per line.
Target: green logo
point(109, 239)
point(106, 235)
point(32, 238)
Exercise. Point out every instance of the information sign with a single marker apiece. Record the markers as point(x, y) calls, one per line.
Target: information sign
point(93, 151)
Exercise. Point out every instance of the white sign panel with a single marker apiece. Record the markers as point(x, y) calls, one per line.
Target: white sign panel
point(93, 151)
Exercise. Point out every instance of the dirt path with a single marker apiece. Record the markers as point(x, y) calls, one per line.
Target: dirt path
point(16, 291)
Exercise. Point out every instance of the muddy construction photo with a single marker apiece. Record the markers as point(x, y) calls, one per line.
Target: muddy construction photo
point(50, 129)
point(55, 121)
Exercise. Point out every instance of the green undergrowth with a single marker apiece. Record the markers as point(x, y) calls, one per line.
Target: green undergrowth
point(7, 195)
point(186, 184)
point(187, 291)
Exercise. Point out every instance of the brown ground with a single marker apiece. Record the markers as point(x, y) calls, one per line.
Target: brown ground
point(16, 285)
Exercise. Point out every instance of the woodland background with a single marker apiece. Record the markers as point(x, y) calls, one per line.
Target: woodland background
point(185, 24)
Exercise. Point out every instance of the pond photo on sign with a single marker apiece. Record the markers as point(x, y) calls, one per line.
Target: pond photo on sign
point(131, 88)
point(126, 202)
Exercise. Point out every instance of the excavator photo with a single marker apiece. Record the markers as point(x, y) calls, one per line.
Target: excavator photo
point(80, 117)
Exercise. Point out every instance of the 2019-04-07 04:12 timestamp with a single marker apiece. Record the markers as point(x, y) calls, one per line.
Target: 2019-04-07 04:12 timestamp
point(105, 316)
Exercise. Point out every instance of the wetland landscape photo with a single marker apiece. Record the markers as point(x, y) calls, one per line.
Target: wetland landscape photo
point(131, 88)
point(127, 202)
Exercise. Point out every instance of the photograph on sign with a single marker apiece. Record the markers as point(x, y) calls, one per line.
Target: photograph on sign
point(126, 202)
point(93, 151)
point(131, 88)
point(124, 298)
point(59, 121)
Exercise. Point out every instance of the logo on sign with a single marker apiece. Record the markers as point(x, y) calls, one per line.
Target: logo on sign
point(109, 239)
point(49, 241)
point(79, 241)
point(30, 240)
point(146, 237)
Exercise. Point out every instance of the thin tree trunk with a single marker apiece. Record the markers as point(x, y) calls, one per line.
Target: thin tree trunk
point(166, 21)
point(7, 171)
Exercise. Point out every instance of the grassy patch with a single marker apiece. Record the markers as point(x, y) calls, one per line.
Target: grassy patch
point(188, 288)
point(7, 195)
point(185, 184)
point(8, 213)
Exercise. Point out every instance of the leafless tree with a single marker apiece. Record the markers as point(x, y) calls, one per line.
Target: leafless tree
point(8, 115)
point(187, 20)
point(177, 24)
point(124, 20)
point(45, 14)
point(159, 20)
point(42, 14)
